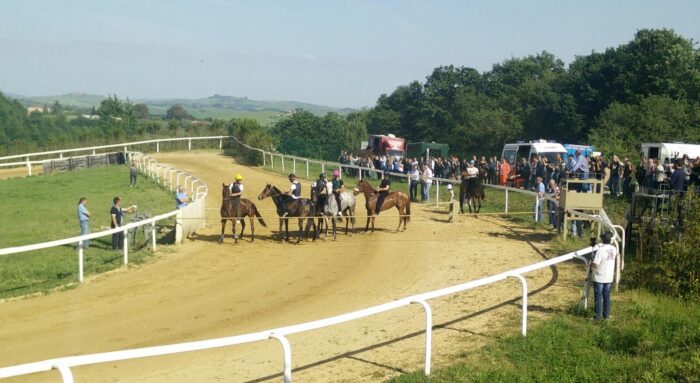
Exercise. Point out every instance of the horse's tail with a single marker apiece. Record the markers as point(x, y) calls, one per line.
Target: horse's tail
point(257, 214)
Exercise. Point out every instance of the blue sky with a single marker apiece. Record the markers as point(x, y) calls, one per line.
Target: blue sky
point(337, 53)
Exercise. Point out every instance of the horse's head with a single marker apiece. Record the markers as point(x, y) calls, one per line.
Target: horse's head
point(266, 192)
point(364, 187)
point(225, 191)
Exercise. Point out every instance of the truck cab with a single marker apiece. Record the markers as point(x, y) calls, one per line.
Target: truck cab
point(543, 148)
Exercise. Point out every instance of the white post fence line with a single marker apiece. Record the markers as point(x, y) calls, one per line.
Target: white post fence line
point(281, 333)
point(151, 167)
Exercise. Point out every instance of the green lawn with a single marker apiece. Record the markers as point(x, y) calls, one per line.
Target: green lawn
point(43, 208)
point(648, 339)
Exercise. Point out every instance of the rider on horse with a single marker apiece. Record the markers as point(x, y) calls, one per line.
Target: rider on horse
point(321, 189)
point(382, 191)
point(294, 192)
point(338, 187)
point(236, 189)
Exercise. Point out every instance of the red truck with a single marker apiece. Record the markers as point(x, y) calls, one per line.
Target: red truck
point(388, 145)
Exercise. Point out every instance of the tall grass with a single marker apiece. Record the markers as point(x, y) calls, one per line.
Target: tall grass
point(43, 208)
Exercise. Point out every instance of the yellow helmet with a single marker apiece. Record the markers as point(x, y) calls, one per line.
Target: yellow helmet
point(239, 177)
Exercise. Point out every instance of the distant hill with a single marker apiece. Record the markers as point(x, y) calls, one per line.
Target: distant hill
point(216, 106)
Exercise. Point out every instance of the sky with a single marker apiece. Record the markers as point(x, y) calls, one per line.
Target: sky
point(335, 53)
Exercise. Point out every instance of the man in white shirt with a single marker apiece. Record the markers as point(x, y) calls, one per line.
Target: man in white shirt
point(427, 182)
point(415, 177)
point(603, 272)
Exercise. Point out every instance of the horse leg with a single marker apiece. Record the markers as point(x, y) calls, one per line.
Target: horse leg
point(301, 229)
point(279, 232)
point(242, 227)
point(334, 228)
point(369, 214)
point(401, 217)
point(252, 228)
point(223, 227)
point(233, 230)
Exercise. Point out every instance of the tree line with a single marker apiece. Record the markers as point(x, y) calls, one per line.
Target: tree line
point(647, 90)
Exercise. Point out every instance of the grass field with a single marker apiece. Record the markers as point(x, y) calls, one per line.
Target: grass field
point(648, 339)
point(43, 208)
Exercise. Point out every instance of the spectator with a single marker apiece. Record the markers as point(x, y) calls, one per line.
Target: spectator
point(539, 189)
point(117, 214)
point(580, 169)
point(627, 172)
point(553, 206)
point(133, 172)
point(181, 197)
point(614, 183)
point(414, 176)
point(505, 171)
point(84, 219)
point(659, 175)
point(427, 182)
point(678, 179)
point(603, 271)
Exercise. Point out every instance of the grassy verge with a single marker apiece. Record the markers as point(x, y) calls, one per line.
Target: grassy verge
point(43, 208)
point(649, 339)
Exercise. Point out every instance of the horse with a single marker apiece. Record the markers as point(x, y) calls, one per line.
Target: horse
point(471, 190)
point(328, 208)
point(228, 212)
point(301, 208)
point(393, 199)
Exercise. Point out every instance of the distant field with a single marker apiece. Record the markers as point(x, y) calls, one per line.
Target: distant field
point(43, 208)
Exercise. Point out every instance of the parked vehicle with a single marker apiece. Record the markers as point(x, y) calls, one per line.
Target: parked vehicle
point(667, 152)
point(388, 145)
point(421, 149)
point(586, 150)
point(543, 148)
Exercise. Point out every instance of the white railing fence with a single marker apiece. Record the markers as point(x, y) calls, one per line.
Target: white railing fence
point(64, 365)
point(167, 176)
point(188, 219)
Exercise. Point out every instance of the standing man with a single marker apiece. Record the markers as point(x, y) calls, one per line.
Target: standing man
point(133, 172)
point(603, 272)
point(415, 177)
point(236, 189)
point(181, 197)
point(504, 172)
point(338, 187)
point(427, 182)
point(117, 214)
point(84, 219)
point(382, 191)
point(614, 183)
point(581, 170)
point(553, 206)
point(539, 189)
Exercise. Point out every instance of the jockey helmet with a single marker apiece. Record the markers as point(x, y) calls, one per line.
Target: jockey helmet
point(336, 172)
point(239, 177)
point(292, 175)
point(321, 176)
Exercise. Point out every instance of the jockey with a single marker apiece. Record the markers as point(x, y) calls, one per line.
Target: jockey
point(322, 189)
point(382, 191)
point(236, 189)
point(472, 171)
point(337, 187)
point(294, 191)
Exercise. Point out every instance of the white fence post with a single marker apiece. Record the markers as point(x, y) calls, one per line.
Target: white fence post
point(287, 350)
point(189, 144)
point(80, 261)
point(126, 247)
point(272, 161)
point(428, 333)
point(437, 192)
point(506, 201)
point(221, 143)
point(282, 160)
point(524, 288)
point(153, 235)
point(307, 168)
point(157, 146)
point(65, 372)
point(29, 167)
point(294, 165)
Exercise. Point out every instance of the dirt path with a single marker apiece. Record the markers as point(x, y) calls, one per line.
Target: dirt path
point(204, 289)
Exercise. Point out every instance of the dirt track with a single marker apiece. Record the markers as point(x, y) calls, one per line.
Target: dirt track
point(204, 289)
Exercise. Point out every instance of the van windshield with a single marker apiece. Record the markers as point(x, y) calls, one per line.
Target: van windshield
point(552, 156)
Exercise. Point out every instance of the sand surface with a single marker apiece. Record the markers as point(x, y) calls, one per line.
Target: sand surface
point(204, 289)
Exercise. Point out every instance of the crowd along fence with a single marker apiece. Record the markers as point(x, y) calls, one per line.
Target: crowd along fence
point(147, 164)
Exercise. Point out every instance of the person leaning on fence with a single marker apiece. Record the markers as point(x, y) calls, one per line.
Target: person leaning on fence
point(382, 191)
point(181, 198)
point(553, 206)
point(117, 214)
point(133, 172)
point(236, 189)
point(84, 219)
point(539, 189)
point(603, 271)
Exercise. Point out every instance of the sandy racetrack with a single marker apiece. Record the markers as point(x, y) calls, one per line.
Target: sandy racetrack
point(204, 289)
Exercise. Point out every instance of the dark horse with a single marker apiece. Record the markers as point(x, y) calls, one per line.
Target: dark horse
point(228, 212)
point(393, 199)
point(301, 208)
point(472, 191)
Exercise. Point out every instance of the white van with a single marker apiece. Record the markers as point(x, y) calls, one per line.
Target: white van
point(543, 148)
point(668, 152)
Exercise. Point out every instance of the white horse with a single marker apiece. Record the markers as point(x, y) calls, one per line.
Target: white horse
point(330, 210)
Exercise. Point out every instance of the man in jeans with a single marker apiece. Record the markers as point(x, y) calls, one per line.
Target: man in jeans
point(603, 272)
point(84, 218)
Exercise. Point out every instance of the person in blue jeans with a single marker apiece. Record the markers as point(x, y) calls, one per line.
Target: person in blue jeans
point(603, 273)
point(84, 219)
point(539, 189)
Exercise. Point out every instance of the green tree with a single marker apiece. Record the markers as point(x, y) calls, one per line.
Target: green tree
point(141, 111)
point(177, 112)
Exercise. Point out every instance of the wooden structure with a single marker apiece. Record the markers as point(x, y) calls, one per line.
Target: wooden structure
point(573, 197)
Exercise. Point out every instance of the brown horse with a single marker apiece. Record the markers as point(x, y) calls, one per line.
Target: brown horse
point(393, 199)
point(301, 208)
point(228, 212)
point(471, 190)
